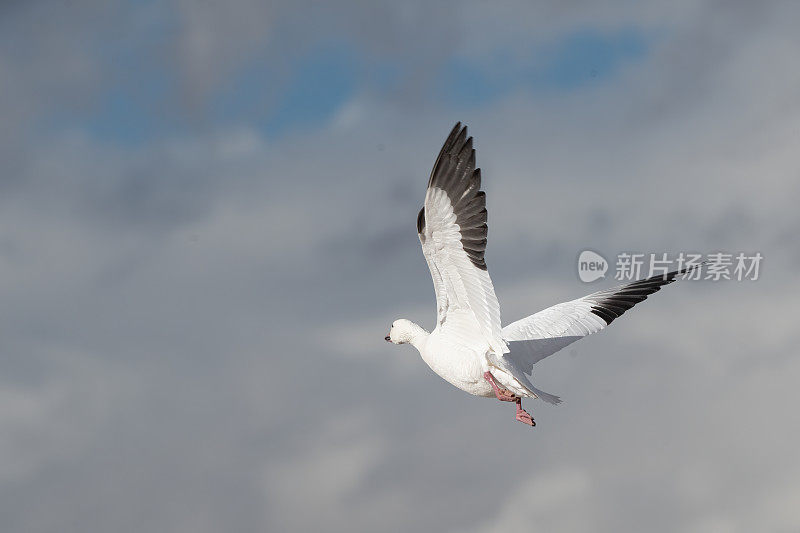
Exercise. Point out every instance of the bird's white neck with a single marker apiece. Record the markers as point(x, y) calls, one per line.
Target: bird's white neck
point(415, 335)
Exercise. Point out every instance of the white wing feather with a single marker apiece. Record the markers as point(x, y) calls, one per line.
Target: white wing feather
point(452, 230)
point(542, 334)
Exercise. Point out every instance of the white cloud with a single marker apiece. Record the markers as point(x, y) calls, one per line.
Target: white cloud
point(547, 501)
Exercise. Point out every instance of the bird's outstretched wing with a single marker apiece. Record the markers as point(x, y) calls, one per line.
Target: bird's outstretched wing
point(533, 338)
point(452, 229)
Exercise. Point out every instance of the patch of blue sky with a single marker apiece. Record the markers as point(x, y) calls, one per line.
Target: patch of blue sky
point(130, 112)
point(134, 98)
point(137, 102)
point(129, 107)
point(321, 84)
point(577, 60)
point(309, 90)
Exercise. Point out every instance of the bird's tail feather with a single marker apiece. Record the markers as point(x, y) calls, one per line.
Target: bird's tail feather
point(513, 374)
point(542, 395)
point(546, 396)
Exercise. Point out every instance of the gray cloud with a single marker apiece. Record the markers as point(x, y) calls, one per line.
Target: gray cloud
point(192, 327)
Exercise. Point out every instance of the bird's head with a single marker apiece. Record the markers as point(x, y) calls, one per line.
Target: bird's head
point(403, 331)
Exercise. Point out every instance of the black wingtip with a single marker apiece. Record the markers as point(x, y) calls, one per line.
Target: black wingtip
point(612, 303)
point(455, 174)
point(455, 133)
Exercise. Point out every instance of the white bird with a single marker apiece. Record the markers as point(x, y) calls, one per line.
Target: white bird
point(468, 347)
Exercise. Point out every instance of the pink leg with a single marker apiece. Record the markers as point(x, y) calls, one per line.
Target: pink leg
point(522, 414)
point(504, 395)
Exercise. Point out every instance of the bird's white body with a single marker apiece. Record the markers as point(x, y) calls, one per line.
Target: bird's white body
point(461, 366)
point(458, 364)
point(468, 347)
point(457, 352)
point(458, 360)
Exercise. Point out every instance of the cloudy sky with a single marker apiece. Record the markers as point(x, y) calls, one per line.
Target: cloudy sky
point(207, 224)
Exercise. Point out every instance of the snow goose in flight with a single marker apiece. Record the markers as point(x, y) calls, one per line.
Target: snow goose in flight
point(468, 347)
